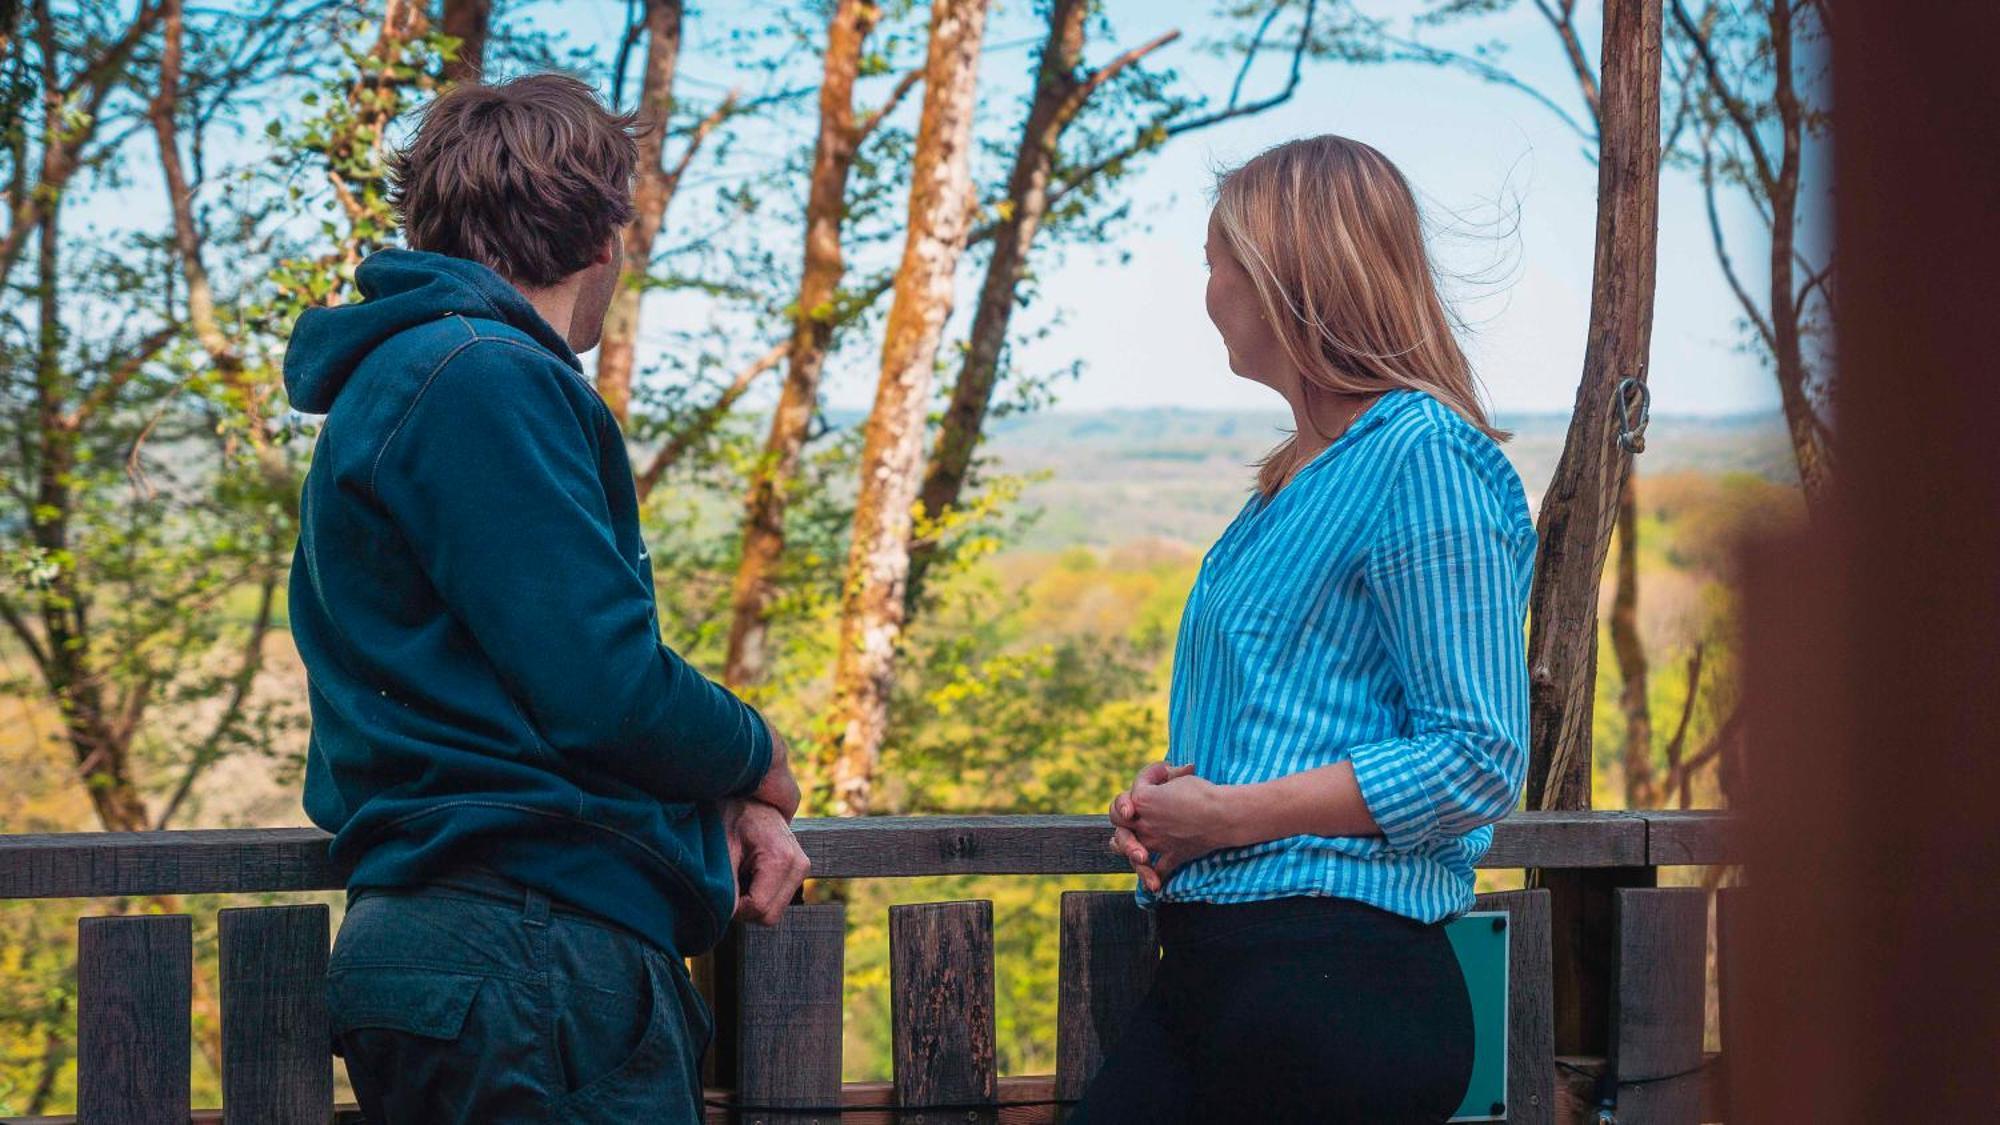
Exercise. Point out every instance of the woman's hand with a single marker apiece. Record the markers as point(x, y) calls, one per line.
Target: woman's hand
point(1182, 819)
point(1169, 818)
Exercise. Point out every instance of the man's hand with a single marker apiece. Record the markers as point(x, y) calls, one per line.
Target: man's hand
point(778, 788)
point(767, 859)
point(1124, 819)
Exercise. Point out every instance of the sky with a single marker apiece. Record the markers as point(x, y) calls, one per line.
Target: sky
point(1505, 186)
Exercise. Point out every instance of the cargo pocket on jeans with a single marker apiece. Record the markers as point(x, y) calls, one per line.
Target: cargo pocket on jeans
point(422, 1002)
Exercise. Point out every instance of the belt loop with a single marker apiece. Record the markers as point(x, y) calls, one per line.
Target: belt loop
point(535, 907)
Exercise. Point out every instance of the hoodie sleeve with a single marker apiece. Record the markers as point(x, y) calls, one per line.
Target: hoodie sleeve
point(493, 478)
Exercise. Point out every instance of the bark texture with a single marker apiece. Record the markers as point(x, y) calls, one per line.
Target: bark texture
point(1581, 503)
point(892, 451)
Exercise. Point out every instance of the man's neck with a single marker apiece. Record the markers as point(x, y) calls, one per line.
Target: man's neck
point(557, 303)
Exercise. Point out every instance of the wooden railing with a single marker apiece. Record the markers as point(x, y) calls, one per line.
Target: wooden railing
point(1607, 972)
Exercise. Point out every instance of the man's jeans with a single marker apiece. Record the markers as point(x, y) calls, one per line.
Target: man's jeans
point(473, 1001)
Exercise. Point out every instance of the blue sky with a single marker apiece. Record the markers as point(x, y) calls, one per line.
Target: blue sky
point(1505, 185)
point(1480, 156)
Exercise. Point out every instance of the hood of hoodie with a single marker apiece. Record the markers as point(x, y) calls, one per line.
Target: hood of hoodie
point(401, 289)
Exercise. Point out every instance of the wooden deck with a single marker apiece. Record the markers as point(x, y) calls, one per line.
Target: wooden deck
point(1608, 972)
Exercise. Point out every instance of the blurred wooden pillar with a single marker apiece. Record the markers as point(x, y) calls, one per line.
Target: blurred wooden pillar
point(1873, 811)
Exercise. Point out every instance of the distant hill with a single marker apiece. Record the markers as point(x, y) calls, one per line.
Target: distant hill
point(1180, 474)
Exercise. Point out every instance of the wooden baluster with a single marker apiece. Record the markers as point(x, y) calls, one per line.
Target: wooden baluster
point(1531, 998)
point(1730, 905)
point(134, 979)
point(1657, 1002)
point(941, 1005)
point(788, 995)
point(277, 1052)
point(1108, 955)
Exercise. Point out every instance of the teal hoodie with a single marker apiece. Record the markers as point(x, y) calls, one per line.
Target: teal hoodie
point(475, 609)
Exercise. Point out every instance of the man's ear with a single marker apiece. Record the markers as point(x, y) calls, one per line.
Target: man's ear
point(607, 252)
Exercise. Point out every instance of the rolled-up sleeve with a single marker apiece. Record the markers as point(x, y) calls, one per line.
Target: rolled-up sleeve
point(1448, 573)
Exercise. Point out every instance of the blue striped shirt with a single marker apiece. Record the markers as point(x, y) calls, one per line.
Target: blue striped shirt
point(1370, 612)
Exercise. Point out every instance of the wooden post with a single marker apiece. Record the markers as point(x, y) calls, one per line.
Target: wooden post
point(1582, 934)
point(1108, 957)
point(1581, 502)
point(788, 994)
point(1868, 991)
point(1657, 1008)
point(941, 1005)
point(134, 983)
point(1531, 1048)
point(1729, 968)
point(277, 1054)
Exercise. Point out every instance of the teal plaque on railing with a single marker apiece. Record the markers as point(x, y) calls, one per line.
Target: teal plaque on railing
point(1480, 940)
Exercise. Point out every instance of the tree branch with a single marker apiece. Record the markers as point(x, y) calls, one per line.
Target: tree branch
point(705, 421)
point(121, 373)
point(1110, 70)
point(1750, 309)
point(708, 125)
point(25, 635)
point(61, 154)
point(867, 124)
point(1151, 137)
point(246, 675)
point(1579, 63)
point(1712, 68)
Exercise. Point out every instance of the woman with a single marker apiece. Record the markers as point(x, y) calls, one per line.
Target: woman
point(1349, 707)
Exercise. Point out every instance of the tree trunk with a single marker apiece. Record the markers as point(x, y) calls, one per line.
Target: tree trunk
point(1640, 791)
point(1802, 420)
point(649, 199)
point(101, 749)
point(812, 333)
point(1580, 505)
point(892, 450)
point(1054, 106)
point(1060, 94)
point(467, 21)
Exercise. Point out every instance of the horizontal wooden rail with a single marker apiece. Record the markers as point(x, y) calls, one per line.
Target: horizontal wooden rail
point(248, 860)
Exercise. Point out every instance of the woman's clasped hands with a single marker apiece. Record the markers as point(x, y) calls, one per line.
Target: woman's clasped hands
point(1169, 818)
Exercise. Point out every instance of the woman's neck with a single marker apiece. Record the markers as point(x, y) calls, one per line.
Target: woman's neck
point(1320, 417)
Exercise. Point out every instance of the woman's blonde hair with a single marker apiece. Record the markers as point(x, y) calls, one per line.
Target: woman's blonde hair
point(1328, 230)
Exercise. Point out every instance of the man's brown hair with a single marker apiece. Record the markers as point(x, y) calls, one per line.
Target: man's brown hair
point(529, 177)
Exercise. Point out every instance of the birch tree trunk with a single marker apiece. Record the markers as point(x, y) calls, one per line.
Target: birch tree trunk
point(892, 450)
point(1060, 94)
point(812, 334)
point(1581, 502)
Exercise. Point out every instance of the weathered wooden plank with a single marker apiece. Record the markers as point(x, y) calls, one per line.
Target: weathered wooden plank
point(277, 1055)
point(941, 1010)
point(1531, 1037)
point(788, 1004)
point(1730, 904)
point(239, 860)
point(134, 975)
point(1662, 955)
point(116, 864)
point(1582, 930)
point(1108, 956)
point(1568, 839)
point(1693, 836)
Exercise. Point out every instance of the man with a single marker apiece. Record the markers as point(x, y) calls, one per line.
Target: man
point(544, 809)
